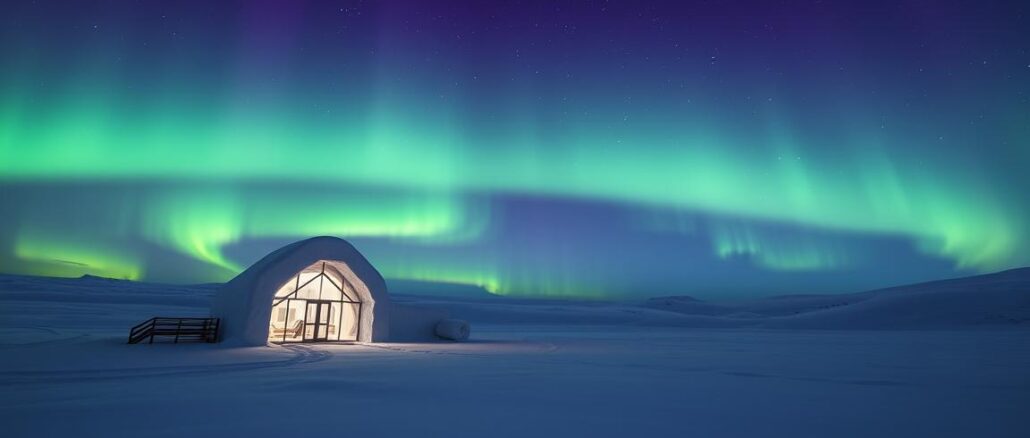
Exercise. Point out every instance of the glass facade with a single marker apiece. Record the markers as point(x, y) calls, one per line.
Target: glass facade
point(316, 305)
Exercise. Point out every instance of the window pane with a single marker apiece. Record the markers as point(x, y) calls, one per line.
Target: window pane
point(309, 317)
point(349, 322)
point(286, 326)
point(294, 321)
point(334, 321)
point(330, 291)
point(349, 292)
point(310, 290)
point(287, 288)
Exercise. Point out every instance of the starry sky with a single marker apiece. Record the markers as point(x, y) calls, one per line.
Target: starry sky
point(539, 149)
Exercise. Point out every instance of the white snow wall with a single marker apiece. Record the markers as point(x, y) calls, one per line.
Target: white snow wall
point(244, 304)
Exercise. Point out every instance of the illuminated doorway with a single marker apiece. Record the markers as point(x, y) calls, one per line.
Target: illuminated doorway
point(316, 305)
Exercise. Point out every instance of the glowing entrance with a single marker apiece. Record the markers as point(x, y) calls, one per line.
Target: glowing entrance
point(316, 305)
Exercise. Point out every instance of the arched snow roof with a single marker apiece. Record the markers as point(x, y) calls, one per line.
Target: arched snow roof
point(244, 304)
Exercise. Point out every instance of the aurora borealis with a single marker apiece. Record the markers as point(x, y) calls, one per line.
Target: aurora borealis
point(581, 149)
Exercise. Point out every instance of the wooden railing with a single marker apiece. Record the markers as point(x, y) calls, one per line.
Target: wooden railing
point(179, 329)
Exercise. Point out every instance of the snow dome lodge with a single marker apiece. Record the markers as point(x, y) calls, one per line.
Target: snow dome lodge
point(316, 290)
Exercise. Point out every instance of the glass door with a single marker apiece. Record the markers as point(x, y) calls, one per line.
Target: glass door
point(322, 330)
point(316, 321)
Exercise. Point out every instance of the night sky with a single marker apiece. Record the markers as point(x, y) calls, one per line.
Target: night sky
point(559, 149)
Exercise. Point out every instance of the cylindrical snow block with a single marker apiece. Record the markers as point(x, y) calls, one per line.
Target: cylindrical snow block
point(453, 329)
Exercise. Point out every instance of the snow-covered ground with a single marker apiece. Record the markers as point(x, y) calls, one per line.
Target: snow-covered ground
point(941, 360)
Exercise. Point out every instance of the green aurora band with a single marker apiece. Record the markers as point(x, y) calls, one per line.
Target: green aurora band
point(409, 141)
point(950, 216)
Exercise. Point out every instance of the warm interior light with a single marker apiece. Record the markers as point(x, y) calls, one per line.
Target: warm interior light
point(317, 305)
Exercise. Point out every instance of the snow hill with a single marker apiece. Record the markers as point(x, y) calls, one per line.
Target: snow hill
point(991, 300)
point(1001, 298)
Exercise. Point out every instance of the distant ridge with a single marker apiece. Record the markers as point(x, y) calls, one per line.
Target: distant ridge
point(1021, 275)
point(89, 277)
point(1000, 298)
